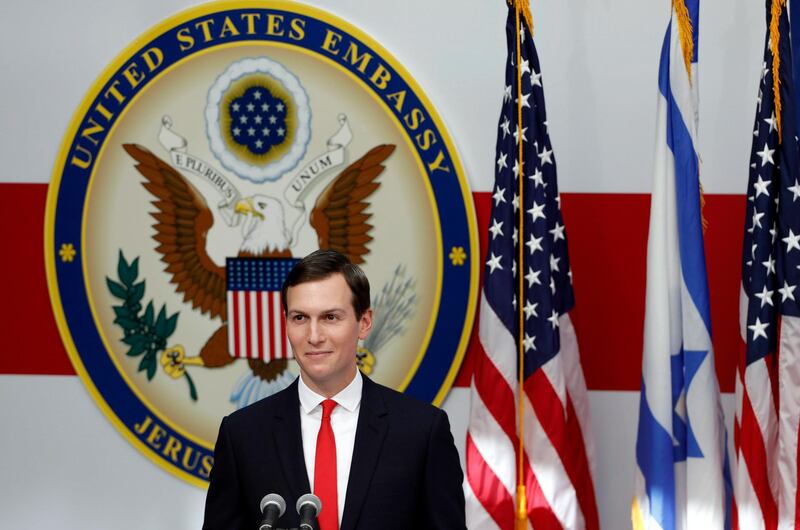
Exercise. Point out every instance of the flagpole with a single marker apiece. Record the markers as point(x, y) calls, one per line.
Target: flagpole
point(522, 501)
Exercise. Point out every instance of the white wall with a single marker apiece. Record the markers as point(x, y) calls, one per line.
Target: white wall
point(63, 465)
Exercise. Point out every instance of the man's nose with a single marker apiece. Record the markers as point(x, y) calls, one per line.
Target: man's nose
point(315, 335)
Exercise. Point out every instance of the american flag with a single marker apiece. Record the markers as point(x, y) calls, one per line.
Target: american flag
point(557, 469)
point(768, 371)
point(256, 323)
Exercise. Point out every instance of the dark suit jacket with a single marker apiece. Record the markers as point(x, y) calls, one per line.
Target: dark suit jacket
point(405, 471)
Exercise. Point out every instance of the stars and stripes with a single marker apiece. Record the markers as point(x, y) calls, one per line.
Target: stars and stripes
point(256, 323)
point(768, 371)
point(682, 479)
point(557, 469)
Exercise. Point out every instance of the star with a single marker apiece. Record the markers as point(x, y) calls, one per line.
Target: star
point(764, 70)
point(530, 310)
point(281, 131)
point(553, 319)
point(554, 263)
point(280, 107)
point(765, 296)
point(766, 155)
point(257, 94)
point(272, 119)
point(501, 162)
point(759, 329)
point(265, 131)
point(558, 232)
point(757, 219)
point(251, 107)
point(536, 80)
point(792, 241)
point(537, 211)
point(251, 131)
point(264, 107)
point(773, 123)
point(517, 168)
point(534, 244)
point(761, 186)
point(525, 100)
point(507, 93)
point(515, 202)
point(235, 107)
point(496, 229)
point(237, 131)
point(546, 157)
point(242, 119)
point(552, 285)
point(528, 342)
point(499, 196)
point(515, 237)
point(259, 144)
point(517, 134)
point(526, 69)
point(505, 126)
point(258, 119)
point(770, 265)
point(494, 263)
point(537, 178)
point(795, 190)
point(533, 277)
point(787, 291)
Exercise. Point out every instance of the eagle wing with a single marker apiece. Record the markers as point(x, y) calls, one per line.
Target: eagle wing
point(182, 222)
point(338, 216)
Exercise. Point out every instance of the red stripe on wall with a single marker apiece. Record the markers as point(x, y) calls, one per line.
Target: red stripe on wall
point(607, 236)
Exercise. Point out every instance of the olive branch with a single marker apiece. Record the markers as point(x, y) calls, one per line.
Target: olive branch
point(144, 332)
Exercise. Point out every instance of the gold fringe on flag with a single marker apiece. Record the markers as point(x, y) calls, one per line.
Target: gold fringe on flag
point(685, 35)
point(523, 7)
point(774, 46)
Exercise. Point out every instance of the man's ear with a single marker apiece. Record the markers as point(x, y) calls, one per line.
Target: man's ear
point(365, 324)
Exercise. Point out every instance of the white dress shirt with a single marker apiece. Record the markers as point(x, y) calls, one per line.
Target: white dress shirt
point(344, 420)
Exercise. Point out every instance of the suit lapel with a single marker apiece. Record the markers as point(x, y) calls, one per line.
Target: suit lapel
point(373, 422)
point(289, 442)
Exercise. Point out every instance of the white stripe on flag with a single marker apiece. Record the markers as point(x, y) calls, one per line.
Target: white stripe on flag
point(231, 322)
point(276, 326)
point(241, 325)
point(789, 377)
point(254, 323)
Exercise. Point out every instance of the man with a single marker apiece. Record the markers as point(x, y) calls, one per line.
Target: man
point(376, 458)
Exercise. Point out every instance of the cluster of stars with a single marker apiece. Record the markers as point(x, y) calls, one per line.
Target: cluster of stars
point(258, 120)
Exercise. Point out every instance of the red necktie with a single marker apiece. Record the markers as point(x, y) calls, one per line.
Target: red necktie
point(325, 470)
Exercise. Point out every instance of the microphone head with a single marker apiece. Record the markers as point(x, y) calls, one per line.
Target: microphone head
point(312, 500)
point(275, 499)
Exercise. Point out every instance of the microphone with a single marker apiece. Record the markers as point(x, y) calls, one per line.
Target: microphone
point(308, 506)
point(272, 506)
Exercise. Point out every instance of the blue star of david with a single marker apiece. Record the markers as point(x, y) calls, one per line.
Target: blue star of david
point(684, 367)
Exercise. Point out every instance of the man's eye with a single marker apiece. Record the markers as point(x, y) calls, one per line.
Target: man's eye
point(298, 318)
point(330, 317)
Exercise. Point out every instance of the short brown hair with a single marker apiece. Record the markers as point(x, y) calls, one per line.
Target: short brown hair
point(322, 264)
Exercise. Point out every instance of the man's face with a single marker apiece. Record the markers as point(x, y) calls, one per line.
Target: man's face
point(323, 330)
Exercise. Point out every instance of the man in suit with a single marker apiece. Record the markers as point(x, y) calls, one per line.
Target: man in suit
point(376, 458)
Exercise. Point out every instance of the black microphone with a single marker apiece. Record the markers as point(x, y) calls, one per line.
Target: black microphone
point(308, 506)
point(272, 506)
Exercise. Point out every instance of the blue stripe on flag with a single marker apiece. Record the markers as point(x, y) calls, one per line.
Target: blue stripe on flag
point(652, 443)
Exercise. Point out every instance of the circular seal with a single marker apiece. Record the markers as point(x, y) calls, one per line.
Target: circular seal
point(220, 147)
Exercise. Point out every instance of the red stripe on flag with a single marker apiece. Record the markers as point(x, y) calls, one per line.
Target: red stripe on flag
point(260, 323)
point(563, 430)
point(271, 325)
point(540, 514)
point(248, 324)
point(754, 455)
point(236, 319)
point(488, 489)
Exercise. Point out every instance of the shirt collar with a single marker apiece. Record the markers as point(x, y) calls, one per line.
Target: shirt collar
point(349, 397)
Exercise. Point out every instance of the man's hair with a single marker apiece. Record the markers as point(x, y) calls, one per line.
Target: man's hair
point(324, 263)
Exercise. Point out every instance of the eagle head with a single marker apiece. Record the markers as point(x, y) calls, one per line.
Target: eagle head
point(263, 230)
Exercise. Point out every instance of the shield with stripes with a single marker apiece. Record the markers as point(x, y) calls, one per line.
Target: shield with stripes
point(256, 323)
